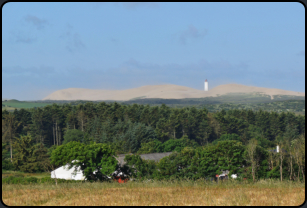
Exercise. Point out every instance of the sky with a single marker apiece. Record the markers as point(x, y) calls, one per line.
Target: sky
point(52, 46)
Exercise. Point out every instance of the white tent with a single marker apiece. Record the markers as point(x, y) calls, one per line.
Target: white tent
point(64, 172)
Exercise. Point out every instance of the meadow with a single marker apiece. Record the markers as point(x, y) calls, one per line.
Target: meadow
point(180, 192)
point(10, 105)
point(7, 173)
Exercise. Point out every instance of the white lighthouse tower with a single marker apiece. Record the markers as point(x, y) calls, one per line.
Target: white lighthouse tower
point(206, 85)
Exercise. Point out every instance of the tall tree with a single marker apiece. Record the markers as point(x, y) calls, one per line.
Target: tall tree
point(215, 126)
point(9, 126)
point(299, 154)
point(81, 116)
point(39, 127)
point(24, 116)
point(144, 117)
point(252, 157)
point(204, 128)
point(29, 157)
point(281, 154)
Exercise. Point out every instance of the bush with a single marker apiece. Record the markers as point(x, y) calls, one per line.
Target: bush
point(12, 180)
point(7, 165)
point(46, 180)
point(178, 144)
point(31, 180)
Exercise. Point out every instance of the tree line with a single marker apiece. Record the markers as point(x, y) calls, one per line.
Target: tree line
point(144, 129)
point(249, 161)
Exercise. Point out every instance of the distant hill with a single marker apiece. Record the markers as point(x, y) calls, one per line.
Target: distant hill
point(167, 91)
point(13, 104)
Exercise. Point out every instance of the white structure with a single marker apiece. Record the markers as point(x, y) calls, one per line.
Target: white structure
point(225, 175)
point(68, 174)
point(234, 176)
point(277, 148)
point(206, 85)
point(64, 172)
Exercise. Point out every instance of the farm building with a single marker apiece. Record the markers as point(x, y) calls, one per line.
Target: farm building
point(151, 156)
point(121, 177)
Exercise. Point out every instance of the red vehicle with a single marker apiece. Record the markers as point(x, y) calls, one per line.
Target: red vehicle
point(120, 179)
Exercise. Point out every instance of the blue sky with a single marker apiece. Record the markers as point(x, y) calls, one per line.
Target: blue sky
point(52, 46)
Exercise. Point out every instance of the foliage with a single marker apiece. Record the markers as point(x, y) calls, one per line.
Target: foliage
point(29, 157)
point(226, 137)
point(192, 163)
point(140, 168)
point(7, 165)
point(178, 144)
point(151, 147)
point(96, 161)
point(73, 135)
point(190, 130)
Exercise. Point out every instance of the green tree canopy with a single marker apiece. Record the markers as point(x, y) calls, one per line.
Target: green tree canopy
point(178, 144)
point(150, 147)
point(226, 137)
point(73, 135)
point(140, 168)
point(29, 157)
point(96, 161)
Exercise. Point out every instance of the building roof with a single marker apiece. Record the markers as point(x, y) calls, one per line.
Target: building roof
point(151, 156)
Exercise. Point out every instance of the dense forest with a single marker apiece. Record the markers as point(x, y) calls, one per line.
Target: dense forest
point(191, 133)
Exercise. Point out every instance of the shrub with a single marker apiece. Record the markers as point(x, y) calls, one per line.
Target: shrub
point(7, 165)
point(12, 180)
point(30, 180)
point(46, 180)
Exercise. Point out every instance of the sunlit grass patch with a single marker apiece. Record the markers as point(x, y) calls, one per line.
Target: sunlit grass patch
point(181, 192)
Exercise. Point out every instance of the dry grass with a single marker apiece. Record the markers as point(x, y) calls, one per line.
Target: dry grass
point(263, 193)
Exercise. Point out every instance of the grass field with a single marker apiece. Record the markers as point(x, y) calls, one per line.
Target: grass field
point(7, 173)
point(10, 105)
point(262, 193)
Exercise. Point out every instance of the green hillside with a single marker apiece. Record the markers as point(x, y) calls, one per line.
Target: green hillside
point(10, 105)
point(253, 101)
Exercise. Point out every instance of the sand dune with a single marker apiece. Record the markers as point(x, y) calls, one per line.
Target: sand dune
point(167, 91)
